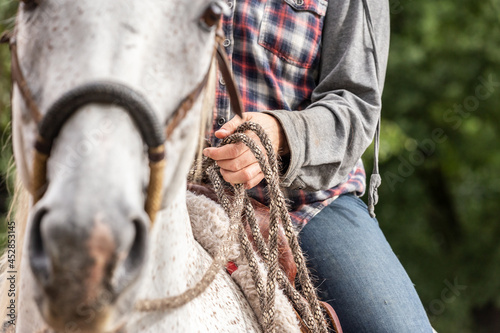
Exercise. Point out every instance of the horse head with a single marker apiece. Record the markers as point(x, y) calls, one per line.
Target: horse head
point(105, 77)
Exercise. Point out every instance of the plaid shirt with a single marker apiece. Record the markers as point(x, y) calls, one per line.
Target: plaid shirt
point(275, 48)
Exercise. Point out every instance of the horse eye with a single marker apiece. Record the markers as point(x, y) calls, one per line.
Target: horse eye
point(212, 14)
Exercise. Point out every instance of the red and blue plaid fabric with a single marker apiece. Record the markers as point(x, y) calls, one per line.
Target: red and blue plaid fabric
point(274, 47)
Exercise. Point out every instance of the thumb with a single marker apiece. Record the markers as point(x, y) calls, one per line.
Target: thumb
point(229, 127)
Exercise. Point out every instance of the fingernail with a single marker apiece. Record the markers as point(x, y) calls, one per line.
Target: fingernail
point(206, 152)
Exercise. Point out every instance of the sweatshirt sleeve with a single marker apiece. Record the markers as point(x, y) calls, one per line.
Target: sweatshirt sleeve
point(327, 138)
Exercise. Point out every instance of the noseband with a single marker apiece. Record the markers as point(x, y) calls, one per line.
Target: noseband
point(104, 93)
point(153, 133)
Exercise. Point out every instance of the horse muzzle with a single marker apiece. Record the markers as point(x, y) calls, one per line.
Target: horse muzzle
point(83, 263)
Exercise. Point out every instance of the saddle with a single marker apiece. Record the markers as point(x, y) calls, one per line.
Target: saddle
point(285, 255)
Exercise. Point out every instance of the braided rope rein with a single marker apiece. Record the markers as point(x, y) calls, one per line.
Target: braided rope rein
point(279, 213)
point(241, 213)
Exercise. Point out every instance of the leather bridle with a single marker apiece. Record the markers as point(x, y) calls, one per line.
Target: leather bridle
point(142, 113)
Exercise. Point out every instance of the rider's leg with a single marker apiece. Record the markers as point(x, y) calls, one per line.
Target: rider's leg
point(358, 273)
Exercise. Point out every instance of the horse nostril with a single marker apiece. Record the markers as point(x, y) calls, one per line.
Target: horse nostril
point(138, 249)
point(39, 260)
point(129, 269)
point(103, 251)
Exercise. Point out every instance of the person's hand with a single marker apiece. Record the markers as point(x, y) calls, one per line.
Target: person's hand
point(237, 163)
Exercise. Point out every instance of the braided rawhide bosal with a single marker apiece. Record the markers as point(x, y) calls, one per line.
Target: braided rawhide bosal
point(309, 307)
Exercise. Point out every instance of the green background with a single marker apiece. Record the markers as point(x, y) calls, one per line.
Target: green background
point(440, 163)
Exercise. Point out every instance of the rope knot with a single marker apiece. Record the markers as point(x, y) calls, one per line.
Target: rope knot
point(375, 182)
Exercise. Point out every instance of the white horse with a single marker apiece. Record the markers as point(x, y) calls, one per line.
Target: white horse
point(91, 250)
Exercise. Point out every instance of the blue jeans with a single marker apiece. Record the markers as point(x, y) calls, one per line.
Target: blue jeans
point(357, 272)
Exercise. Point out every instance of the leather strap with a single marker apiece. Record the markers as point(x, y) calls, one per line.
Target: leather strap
point(224, 67)
point(18, 77)
point(302, 324)
point(185, 106)
point(232, 90)
point(332, 315)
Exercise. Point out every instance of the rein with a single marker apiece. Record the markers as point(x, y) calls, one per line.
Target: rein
point(307, 302)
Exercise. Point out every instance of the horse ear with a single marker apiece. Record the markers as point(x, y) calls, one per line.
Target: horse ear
point(213, 13)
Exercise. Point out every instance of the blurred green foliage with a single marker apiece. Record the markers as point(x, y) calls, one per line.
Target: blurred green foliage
point(440, 198)
point(439, 158)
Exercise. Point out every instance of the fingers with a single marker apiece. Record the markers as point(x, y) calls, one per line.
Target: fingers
point(227, 152)
point(269, 123)
point(249, 176)
point(237, 164)
point(243, 161)
point(234, 151)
